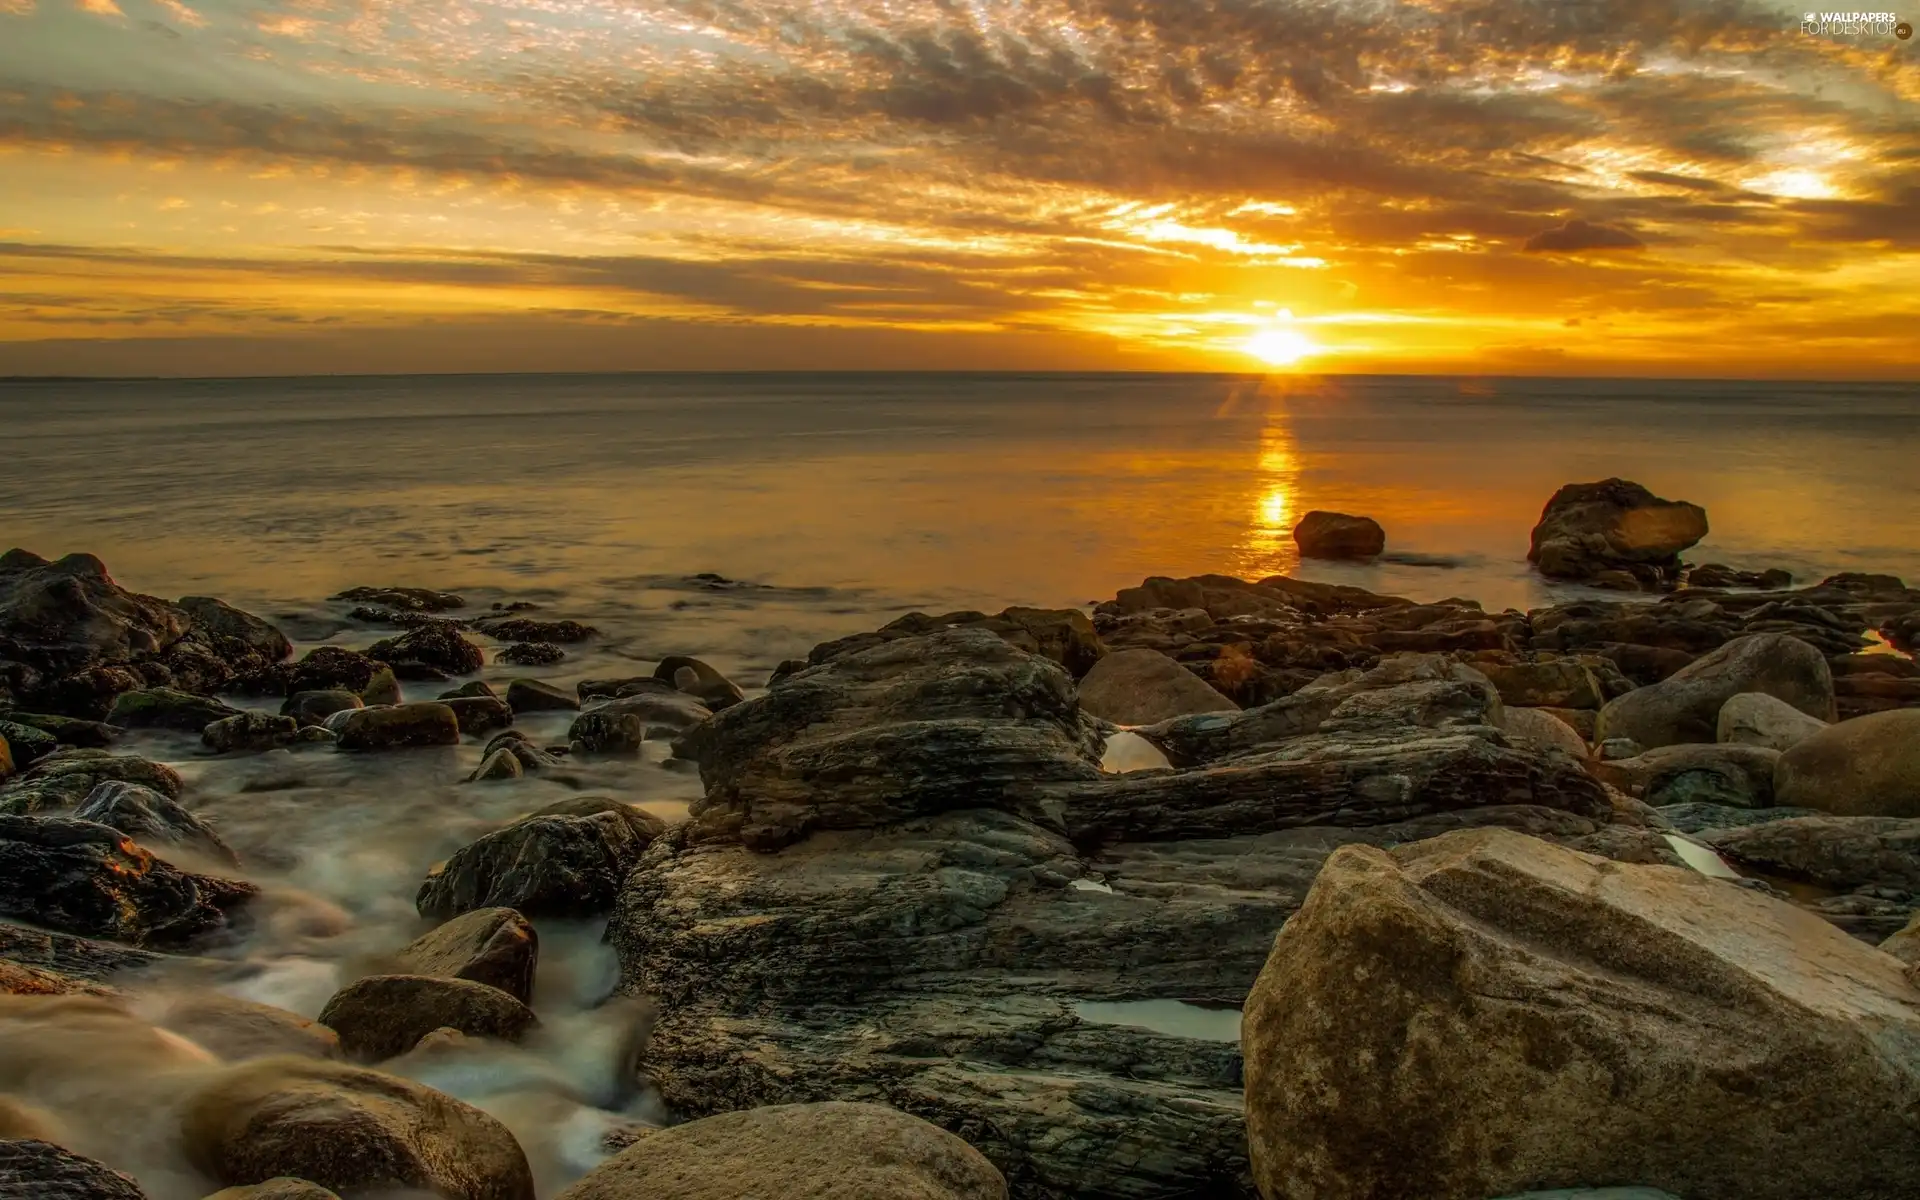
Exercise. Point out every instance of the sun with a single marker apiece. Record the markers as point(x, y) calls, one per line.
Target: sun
point(1279, 347)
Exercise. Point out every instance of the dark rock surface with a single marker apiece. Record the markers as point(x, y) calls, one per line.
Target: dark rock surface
point(1335, 535)
point(252, 731)
point(167, 708)
point(526, 629)
point(1065, 635)
point(401, 726)
point(533, 695)
point(566, 860)
point(699, 680)
point(152, 819)
point(531, 654)
point(439, 646)
point(478, 715)
point(1587, 529)
point(494, 946)
point(384, 1016)
point(34, 1170)
point(312, 708)
point(87, 879)
point(63, 779)
point(407, 599)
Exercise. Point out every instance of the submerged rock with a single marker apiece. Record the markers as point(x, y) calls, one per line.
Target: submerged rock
point(526, 629)
point(1866, 767)
point(1664, 1027)
point(700, 681)
point(64, 779)
point(237, 1030)
point(400, 726)
point(1590, 528)
point(1686, 706)
point(84, 878)
point(566, 860)
point(384, 1016)
point(407, 599)
point(846, 1151)
point(166, 708)
point(349, 1129)
point(533, 695)
point(37, 1170)
point(151, 818)
point(478, 715)
point(1337, 535)
point(1145, 687)
point(438, 646)
point(494, 946)
point(313, 708)
point(251, 731)
point(530, 654)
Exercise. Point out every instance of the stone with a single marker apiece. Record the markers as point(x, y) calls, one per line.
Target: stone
point(384, 1016)
point(332, 669)
point(251, 732)
point(6, 759)
point(607, 732)
point(37, 1170)
point(67, 731)
point(400, 726)
point(1336, 535)
point(1065, 635)
point(239, 633)
point(236, 1030)
point(565, 860)
point(1588, 528)
point(471, 688)
point(1842, 853)
point(498, 766)
point(72, 957)
point(349, 1129)
point(1555, 683)
point(406, 599)
point(709, 686)
point(526, 629)
point(1866, 767)
point(65, 616)
point(530, 654)
point(479, 715)
point(82, 878)
point(26, 745)
point(313, 708)
point(1757, 719)
point(661, 714)
point(1663, 1027)
point(533, 695)
point(1905, 946)
point(1145, 687)
point(283, 1188)
point(1540, 726)
point(494, 946)
point(65, 778)
point(797, 1152)
point(1739, 776)
point(1686, 706)
point(153, 819)
point(166, 708)
point(439, 646)
point(591, 690)
point(1719, 575)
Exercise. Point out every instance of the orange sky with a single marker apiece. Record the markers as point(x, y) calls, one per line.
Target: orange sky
point(1530, 186)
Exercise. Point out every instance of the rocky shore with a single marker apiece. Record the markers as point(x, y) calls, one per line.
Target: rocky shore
point(1225, 888)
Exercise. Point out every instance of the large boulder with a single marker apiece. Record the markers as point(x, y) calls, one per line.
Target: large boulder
point(1338, 535)
point(400, 726)
point(534, 695)
point(1740, 776)
point(235, 634)
point(1553, 683)
point(699, 680)
point(1686, 706)
point(383, 1016)
point(1841, 853)
point(1145, 687)
point(1542, 727)
point(36, 1170)
point(64, 779)
point(1587, 529)
point(797, 1152)
point(566, 860)
point(1065, 635)
point(63, 617)
point(1757, 719)
point(167, 708)
point(79, 877)
point(349, 1129)
point(494, 946)
point(479, 715)
point(438, 645)
point(1661, 1026)
point(1866, 767)
point(153, 819)
point(254, 731)
point(332, 669)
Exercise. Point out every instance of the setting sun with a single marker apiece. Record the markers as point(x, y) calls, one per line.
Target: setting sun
point(1279, 347)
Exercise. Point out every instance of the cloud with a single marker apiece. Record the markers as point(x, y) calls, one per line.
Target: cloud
point(1577, 236)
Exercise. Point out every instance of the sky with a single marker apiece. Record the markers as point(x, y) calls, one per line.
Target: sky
point(1612, 187)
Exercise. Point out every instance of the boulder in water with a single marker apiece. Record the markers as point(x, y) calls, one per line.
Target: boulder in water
point(313, 708)
point(494, 946)
point(284, 1188)
point(534, 695)
point(566, 860)
point(526, 629)
point(167, 708)
point(705, 683)
point(1614, 525)
point(1866, 767)
point(479, 715)
point(607, 732)
point(79, 877)
point(1145, 687)
point(1337, 535)
point(406, 599)
point(151, 818)
point(250, 731)
point(438, 645)
point(236, 1030)
point(65, 778)
point(37, 1170)
point(332, 669)
point(400, 726)
point(384, 1016)
point(1685, 707)
point(530, 654)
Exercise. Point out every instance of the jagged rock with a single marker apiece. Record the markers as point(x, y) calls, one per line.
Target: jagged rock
point(393, 727)
point(1740, 776)
point(349, 1129)
point(332, 669)
point(407, 599)
point(1757, 719)
point(477, 715)
point(1686, 706)
point(37, 1170)
point(313, 708)
point(1555, 683)
point(151, 818)
point(1589, 528)
point(525, 629)
point(530, 654)
point(1869, 766)
point(1144, 687)
point(606, 732)
point(73, 957)
point(846, 1151)
point(1064, 635)
point(1540, 725)
point(1618, 999)
point(438, 646)
point(1842, 853)
point(566, 860)
point(494, 946)
point(68, 731)
point(1337, 535)
point(1719, 575)
point(707, 685)
point(83, 878)
point(165, 708)
point(529, 756)
point(252, 731)
point(65, 778)
point(66, 616)
point(236, 1030)
point(533, 695)
point(383, 1016)
point(235, 634)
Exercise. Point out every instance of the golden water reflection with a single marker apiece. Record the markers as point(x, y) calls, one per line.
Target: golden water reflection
point(1266, 547)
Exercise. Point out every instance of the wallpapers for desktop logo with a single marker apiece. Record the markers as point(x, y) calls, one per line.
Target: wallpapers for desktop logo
point(1855, 24)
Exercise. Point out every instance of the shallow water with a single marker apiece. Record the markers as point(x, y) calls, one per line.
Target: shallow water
point(1176, 1018)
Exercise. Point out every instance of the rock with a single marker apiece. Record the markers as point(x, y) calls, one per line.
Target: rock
point(846, 1151)
point(6, 759)
point(1608, 1193)
point(63, 617)
point(394, 727)
point(619, 689)
point(67, 731)
point(1696, 818)
point(384, 1016)
point(1738, 776)
point(73, 957)
point(250, 731)
point(151, 818)
point(607, 732)
point(406, 599)
point(472, 688)
point(494, 946)
point(349, 1129)
point(529, 756)
point(64, 779)
point(1589, 528)
point(1337, 535)
point(1686, 707)
point(313, 708)
point(1583, 721)
point(1718, 575)
point(530, 654)
point(439, 646)
point(661, 715)
point(284, 1188)
point(36, 1170)
point(525, 629)
point(1145, 687)
point(1905, 946)
point(332, 669)
point(79, 877)
point(1757, 719)
point(1555, 683)
point(165, 708)
point(498, 766)
point(479, 715)
point(709, 686)
point(532, 695)
point(220, 622)
point(1620, 1000)
point(566, 860)
point(1064, 635)
point(25, 745)
point(1541, 726)
point(1842, 853)
point(237, 1030)
point(1866, 767)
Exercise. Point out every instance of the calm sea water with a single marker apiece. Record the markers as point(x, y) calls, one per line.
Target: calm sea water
point(864, 495)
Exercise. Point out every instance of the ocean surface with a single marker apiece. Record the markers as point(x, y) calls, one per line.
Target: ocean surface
point(837, 502)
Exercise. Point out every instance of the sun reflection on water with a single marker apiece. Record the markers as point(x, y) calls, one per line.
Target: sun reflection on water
point(1266, 548)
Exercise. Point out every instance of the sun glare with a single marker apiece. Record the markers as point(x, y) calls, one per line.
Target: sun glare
point(1279, 347)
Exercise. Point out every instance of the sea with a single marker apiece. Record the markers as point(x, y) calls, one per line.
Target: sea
point(743, 519)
